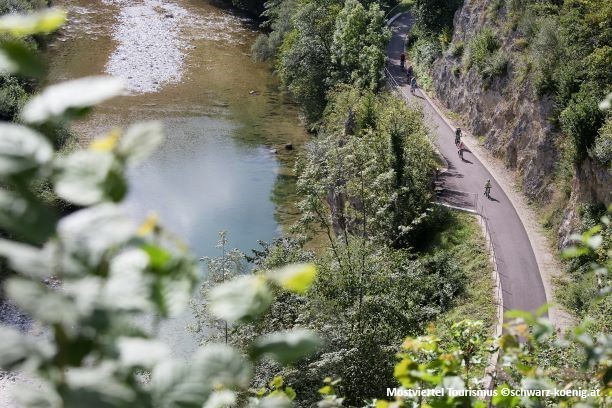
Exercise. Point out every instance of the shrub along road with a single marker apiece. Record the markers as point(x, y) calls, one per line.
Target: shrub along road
point(521, 283)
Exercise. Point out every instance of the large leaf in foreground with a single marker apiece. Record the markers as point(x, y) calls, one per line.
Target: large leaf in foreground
point(89, 177)
point(87, 234)
point(139, 141)
point(295, 278)
point(27, 259)
point(41, 22)
point(41, 302)
point(22, 150)
point(174, 386)
point(240, 300)
point(221, 366)
point(138, 352)
point(286, 347)
point(71, 98)
point(26, 216)
point(17, 58)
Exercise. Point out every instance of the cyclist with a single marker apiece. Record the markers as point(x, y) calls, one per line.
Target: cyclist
point(402, 60)
point(487, 191)
point(409, 72)
point(460, 147)
point(413, 85)
point(457, 136)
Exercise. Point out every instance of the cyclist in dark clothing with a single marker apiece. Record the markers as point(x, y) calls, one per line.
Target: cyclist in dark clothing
point(457, 136)
point(402, 60)
point(487, 192)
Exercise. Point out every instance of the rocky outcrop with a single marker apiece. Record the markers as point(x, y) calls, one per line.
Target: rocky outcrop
point(592, 183)
point(511, 121)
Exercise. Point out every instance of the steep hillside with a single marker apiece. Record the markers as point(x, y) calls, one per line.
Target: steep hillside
point(526, 76)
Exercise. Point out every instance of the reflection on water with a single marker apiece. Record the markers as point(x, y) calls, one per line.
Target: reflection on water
point(201, 185)
point(215, 170)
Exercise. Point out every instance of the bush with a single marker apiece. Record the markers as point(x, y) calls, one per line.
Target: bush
point(456, 49)
point(445, 36)
point(12, 97)
point(546, 51)
point(521, 43)
point(496, 5)
point(603, 144)
point(456, 70)
point(484, 54)
point(581, 120)
point(262, 49)
point(434, 15)
point(15, 6)
point(425, 51)
point(498, 64)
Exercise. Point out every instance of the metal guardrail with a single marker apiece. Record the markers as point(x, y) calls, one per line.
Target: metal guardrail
point(394, 84)
point(490, 371)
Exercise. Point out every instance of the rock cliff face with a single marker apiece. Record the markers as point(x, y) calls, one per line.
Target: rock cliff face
point(511, 120)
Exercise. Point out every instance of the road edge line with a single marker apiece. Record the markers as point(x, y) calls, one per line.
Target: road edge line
point(556, 314)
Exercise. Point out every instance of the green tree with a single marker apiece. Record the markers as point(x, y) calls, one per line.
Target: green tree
point(358, 47)
point(304, 61)
point(372, 165)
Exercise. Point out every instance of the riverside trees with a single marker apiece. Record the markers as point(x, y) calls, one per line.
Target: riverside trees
point(320, 44)
point(96, 353)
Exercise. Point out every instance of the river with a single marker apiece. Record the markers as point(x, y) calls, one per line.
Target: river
point(187, 63)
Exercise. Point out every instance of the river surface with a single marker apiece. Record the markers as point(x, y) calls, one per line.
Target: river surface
point(188, 63)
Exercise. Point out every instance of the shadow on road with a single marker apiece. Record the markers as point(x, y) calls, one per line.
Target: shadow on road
point(455, 198)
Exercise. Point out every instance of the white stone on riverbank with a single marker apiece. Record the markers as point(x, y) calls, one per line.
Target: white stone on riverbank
point(150, 52)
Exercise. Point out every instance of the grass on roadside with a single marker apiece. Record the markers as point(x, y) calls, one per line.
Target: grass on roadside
point(464, 239)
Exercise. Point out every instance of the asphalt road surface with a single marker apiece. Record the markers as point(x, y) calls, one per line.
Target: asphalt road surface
point(463, 185)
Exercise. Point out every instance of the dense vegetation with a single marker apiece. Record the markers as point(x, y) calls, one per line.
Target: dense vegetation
point(318, 45)
point(582, 292)
point(392, 264)
point(561, 49)
point(14, 90)
point(365, 184)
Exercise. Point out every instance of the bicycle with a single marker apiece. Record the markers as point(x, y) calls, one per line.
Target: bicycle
point(487, 191)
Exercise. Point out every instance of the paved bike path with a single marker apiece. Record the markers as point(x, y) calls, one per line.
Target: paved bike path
point(521, 283)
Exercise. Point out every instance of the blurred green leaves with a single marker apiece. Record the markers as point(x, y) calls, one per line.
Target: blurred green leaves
point(286, 347)
point(17, 58)
point(139, 141)
point(108, 270)
point(81, 183)
point(295, 278)
point(70, 99)
point(241, 300)
point(22, 151)
point(42, 22)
